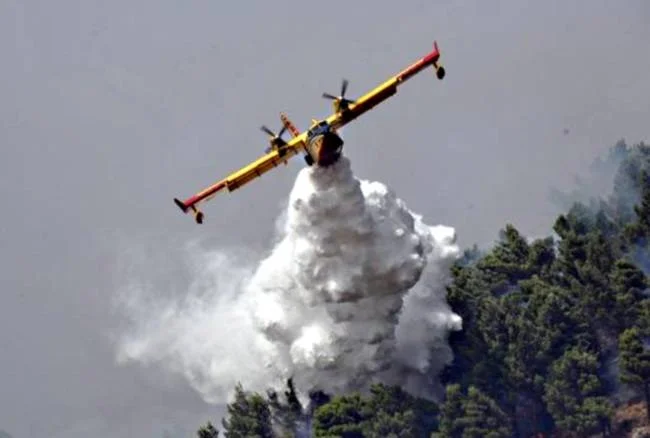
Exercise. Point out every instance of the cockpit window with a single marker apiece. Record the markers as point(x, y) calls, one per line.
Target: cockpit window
point(319, 129)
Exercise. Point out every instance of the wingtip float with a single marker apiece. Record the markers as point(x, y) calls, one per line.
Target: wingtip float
point(320, 143)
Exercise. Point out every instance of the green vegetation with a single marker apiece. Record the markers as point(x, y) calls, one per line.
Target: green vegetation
point(553, 330)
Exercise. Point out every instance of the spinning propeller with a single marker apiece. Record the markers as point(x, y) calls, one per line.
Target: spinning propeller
point(276, 139)
point(341, 101)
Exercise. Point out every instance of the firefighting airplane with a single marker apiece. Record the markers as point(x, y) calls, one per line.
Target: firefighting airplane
point(320, 143)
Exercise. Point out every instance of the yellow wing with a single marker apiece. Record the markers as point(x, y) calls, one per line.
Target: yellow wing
point(265, 163)
point(365, 103)
point(244, 175)
point(377, 95)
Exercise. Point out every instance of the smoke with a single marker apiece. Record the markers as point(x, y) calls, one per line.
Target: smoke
point(352, 293)
point(594, 186)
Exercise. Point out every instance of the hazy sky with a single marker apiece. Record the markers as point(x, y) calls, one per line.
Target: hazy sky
point(110, 109)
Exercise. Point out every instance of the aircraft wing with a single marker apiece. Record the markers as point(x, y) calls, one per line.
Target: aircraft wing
point(385, 90)
point(244, 175)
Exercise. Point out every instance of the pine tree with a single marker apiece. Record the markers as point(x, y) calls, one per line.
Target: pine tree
point(482, 417)
point(208, 431)
point(288, 415)
point(635, 362)
point(248, 415)
point(628, 283)
point(451, 413)
point(471, 415)
point(574, 394)
point(343, 416)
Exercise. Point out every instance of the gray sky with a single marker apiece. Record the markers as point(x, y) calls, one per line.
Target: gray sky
point(110, 109)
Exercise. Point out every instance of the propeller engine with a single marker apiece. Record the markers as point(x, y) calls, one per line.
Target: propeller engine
point(276, 140)
point(340, 102)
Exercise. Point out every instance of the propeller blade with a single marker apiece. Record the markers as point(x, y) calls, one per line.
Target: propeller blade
point(282, 131)
point(341, 99)
point(267, 130)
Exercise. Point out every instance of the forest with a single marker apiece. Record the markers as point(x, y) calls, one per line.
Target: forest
point(554, 339)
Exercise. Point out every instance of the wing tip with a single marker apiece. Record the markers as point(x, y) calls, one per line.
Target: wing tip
point(180, 205)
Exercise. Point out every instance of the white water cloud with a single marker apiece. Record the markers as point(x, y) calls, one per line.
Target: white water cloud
point(353, 292)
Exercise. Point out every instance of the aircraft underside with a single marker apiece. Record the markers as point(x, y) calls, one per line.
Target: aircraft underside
point(324, 150)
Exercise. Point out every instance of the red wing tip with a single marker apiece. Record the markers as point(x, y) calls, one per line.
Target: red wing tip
point(436, 51)
point(181, 205)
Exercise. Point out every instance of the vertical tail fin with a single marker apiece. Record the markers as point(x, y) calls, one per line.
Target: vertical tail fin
point(289, 125)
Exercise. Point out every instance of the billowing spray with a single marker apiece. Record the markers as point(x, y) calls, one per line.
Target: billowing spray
point(353, 293)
